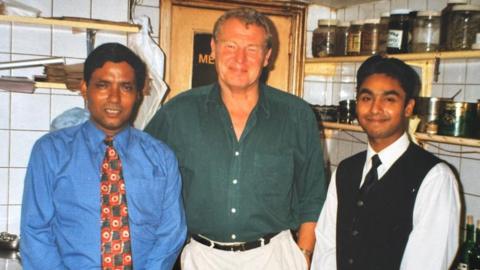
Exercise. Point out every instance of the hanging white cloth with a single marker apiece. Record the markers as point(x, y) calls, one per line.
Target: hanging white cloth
point(149, 51)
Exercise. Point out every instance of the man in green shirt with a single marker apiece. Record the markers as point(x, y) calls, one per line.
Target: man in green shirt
point(249, 155)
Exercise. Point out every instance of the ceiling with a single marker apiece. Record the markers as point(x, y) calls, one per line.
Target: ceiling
point(339, 3)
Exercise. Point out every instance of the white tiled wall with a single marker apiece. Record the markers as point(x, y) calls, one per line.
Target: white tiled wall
point(26, 117)
point(454, 74)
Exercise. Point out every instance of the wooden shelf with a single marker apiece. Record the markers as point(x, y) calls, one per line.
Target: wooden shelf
point(50, 85)
point(341, 126)
point(405, 57)
point(447, 139)
point(75, 23)
point(419, 136)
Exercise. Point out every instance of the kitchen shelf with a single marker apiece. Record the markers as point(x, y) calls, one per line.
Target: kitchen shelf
point(50, 85)
point(447, 139)
point(75, 23)
point(403, 56)
point(427, 63)
point(341, 126)
point(419, 136)
point(90, 25)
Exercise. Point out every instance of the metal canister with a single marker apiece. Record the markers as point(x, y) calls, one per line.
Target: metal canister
point(458, 119)
point(326, 113)
point(346, 111)
point(428, 110)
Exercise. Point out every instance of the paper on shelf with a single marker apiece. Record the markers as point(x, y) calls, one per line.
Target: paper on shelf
point(17, 84)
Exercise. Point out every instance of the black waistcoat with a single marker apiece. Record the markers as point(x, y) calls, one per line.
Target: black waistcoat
point(373, 230)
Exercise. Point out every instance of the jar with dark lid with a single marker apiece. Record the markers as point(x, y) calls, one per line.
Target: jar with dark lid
point(383, 32)
point(399, 34)
point(354, 41)
point(445, 20)
point(341, 37)
point(323, 40)
point(426, 31)
point(370, 32)
point(465, 23)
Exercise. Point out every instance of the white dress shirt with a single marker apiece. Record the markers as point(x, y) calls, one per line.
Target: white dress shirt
point(433, 241)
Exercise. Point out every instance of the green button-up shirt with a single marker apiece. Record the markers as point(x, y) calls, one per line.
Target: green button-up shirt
point(270, 180)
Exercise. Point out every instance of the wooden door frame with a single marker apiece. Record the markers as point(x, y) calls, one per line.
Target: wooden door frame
point(296, 10)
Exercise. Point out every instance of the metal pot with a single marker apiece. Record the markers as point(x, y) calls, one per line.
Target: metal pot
point(326, 113)
point(428, 110)
point(458, 119)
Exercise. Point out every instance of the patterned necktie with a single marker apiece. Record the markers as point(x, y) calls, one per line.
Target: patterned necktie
point(116, 245)
point(372, 176)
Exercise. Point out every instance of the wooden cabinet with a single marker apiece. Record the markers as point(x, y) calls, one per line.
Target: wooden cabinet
point(181, 20)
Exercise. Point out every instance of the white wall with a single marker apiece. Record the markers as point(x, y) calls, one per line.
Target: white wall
point(454, 75)
point(26, 117)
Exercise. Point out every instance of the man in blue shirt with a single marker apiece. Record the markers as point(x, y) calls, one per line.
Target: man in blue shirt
point(62, 226)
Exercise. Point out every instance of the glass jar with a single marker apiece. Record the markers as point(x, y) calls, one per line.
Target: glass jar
point(464, 25)
point(354, 38)
point(383, 32)
point(369, 41)
point(323, 40)
point(399, 34)
point(476, 46)
point(426, 31)
point(445, 20)
point(341, 37)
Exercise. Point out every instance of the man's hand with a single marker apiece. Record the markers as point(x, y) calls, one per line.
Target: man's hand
point(308, 256)
point(306, 240)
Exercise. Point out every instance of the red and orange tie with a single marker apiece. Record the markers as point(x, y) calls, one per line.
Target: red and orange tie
point(116, 244)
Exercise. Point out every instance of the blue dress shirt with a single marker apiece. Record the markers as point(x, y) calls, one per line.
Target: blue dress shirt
point(60, 223)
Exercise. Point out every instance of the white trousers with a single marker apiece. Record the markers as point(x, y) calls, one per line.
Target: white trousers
point(282, 253)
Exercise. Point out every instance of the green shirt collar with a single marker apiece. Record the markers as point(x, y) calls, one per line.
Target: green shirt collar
point(214, 99)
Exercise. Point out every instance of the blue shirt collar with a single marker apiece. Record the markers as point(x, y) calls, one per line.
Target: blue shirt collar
point(95, 137)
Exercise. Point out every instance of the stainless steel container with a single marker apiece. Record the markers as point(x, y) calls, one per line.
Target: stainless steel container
point(458, 119)
point(346, 111)
point(428, 110)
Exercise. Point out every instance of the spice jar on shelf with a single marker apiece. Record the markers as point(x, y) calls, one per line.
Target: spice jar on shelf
point(370, 35)
point(399, 34)
point(465, 24)
point(323, 39)
point(445, 20)
point(341, 37)
point(354, 37)
point(426, 31)
point(476, 46)
point(383, 32)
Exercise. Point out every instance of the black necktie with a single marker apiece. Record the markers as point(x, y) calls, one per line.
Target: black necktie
point(372, 177)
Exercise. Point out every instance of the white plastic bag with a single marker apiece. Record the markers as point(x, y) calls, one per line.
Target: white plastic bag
point(145, 47)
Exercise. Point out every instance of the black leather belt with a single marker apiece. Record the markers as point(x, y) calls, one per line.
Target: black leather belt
point(264, 240)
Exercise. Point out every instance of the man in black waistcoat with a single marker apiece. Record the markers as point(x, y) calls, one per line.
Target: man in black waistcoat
point(395, 205)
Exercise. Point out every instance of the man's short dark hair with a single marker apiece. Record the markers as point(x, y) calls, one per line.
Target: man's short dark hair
point(393, 68)
point(115, 52)
point(248, 16)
